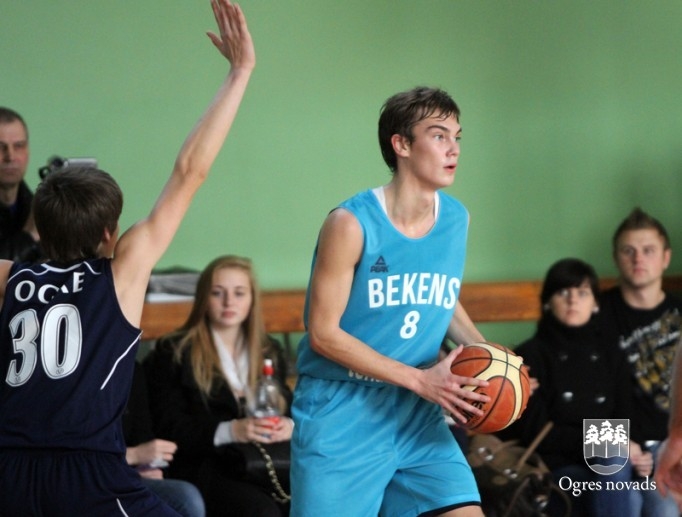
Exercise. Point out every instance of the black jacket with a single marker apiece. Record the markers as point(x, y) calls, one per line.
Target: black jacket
point(15, 243)
point(581, 377)
point(137, 420)
point(181, 414)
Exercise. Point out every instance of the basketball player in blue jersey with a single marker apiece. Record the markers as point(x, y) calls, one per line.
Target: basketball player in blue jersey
point(69, 327)
point(370, 438)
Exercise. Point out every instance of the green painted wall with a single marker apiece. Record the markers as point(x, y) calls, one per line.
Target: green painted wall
point(571, 116)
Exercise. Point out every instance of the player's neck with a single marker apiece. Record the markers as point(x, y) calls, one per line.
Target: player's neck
point(643, 297)
point(412, 212)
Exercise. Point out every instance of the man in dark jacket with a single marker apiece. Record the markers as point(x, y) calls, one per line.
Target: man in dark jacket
point(18, 236)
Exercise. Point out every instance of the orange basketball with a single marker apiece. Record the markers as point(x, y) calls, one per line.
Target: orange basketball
point(508, 388)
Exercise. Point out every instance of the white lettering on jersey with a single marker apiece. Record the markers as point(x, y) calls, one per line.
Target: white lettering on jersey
point(355, 375)
point(413, 289)
point(26, 289)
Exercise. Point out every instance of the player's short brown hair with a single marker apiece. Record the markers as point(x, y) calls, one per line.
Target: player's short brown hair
point(403, 110)
point(72, 208)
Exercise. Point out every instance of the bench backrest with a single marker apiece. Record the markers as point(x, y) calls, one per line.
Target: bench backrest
point(283, 309)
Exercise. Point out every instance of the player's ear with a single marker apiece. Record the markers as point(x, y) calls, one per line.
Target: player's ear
point(401, 145)
point(106, 237)
point(107, 243)
point(667, 255)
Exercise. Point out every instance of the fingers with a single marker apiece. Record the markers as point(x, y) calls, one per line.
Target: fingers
point(233, 39)
point(261, 429)
point(165, 449)
point(469, 381)
point(229, 17)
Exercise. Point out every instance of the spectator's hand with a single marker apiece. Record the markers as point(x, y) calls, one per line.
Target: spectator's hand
point(534, 384)
point(438, 384)
point(148, 452)
point(532, 381)
point(234, 41)
point(642, 461)
point(264, 430)
point(151, 473)
point(281, 429)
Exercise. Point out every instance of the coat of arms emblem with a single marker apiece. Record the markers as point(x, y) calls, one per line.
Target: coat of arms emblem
point(606, 444)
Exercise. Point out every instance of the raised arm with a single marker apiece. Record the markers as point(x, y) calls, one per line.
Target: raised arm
point(140, 248)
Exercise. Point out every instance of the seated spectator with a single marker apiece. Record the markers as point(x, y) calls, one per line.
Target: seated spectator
point(148, 455)
point(643, 323)
point(199, 379)
point(579, 377)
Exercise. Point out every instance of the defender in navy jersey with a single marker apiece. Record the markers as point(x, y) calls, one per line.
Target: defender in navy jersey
point(69, 327)
point(386, 275)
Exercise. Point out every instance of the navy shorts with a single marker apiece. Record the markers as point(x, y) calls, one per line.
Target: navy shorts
point(48, 482)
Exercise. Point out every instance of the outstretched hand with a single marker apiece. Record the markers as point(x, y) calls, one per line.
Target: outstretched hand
point(440, 385)
point(234, 41)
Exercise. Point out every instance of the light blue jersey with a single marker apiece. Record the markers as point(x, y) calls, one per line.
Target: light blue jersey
point(404, 290)
point(352, 431)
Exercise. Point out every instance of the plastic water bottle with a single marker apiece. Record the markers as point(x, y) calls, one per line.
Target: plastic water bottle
point(268, 398)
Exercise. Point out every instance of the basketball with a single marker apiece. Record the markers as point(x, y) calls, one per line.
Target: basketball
point(508, 388)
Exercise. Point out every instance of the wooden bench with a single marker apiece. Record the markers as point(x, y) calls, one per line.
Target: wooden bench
point(485, 302)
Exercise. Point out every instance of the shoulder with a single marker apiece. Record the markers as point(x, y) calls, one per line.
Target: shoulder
point(530, 345)
point(25, 193)
point(165, 349)
point(451, 202)
point(531, 351)
point(610, 298)
point(366, 197)
point(169, 342)
point(340, 225)
point(672, 300)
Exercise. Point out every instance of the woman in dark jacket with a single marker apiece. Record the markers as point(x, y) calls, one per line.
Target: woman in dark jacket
point(199, 380)
point(579, 378)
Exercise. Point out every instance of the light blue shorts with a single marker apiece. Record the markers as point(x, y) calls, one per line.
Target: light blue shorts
point(373, 450)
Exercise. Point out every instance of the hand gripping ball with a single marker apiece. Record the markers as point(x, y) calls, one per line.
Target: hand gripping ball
point(508, 388)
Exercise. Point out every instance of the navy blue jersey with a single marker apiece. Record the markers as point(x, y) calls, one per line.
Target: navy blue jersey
point(66, 358)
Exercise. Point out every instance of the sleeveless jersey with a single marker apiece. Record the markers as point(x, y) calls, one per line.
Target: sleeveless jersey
point(66, 358)
point(404, 290)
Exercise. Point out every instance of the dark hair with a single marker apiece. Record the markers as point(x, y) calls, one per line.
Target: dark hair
point(8, 115)
point(72, 208)
point(403, 110)
point(638, 219)
point(565, 273)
